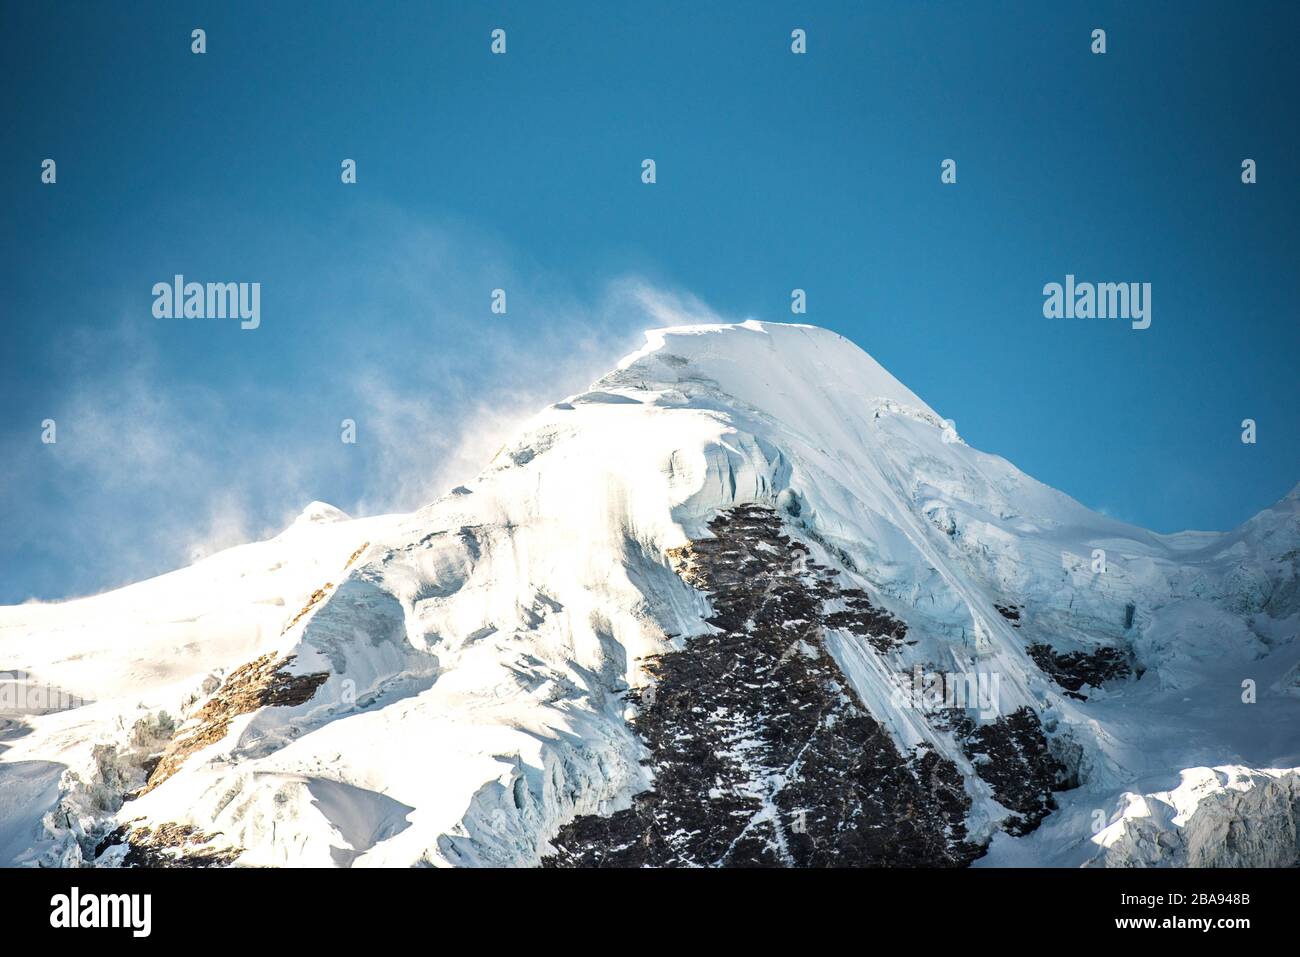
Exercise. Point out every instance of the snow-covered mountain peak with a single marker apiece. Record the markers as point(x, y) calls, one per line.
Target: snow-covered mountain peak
point(319, 513)
point(784, 369)
point(628, 617)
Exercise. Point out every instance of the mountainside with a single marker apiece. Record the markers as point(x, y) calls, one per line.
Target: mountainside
point(705, 613)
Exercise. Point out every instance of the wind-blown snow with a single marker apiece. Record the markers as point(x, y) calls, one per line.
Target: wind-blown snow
point(475, 651)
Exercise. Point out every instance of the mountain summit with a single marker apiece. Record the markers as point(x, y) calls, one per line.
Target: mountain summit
point(747, 600)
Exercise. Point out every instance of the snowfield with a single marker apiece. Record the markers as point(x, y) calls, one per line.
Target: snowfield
point(448, 687)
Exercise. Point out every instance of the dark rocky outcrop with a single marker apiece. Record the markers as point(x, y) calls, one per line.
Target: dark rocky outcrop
point(1011, 613)
point(168, 845)
point(1012, 755)
point(762, 753)
point(881, 629)
point(261, 683)
point(1075, 669)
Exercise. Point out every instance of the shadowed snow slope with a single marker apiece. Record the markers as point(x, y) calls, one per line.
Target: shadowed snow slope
point(466, 667)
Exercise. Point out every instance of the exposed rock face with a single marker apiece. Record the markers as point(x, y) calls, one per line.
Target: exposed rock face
point(1011, 613)
point(881, 629)
point(1075, 669)
point(1012, 755)
point(762, 753)
point(258, 684)
point(168, 845)
point(320, 593)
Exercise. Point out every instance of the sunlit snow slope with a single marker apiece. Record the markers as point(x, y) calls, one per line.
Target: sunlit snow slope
point(450, 687)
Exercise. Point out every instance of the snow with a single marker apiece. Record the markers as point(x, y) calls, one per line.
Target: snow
point(477, 648)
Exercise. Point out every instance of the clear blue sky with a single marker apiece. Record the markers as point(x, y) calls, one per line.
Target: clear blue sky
point(475, 171)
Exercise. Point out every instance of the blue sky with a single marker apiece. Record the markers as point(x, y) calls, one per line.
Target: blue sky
point(522, 171)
